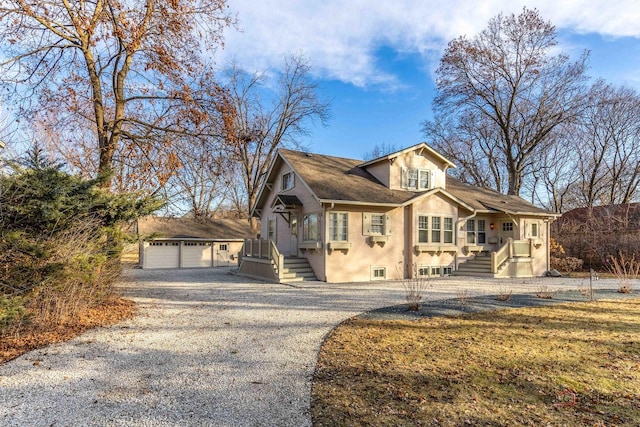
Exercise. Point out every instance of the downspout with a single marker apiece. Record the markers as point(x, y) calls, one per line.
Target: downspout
point(325, 251)
point(458, 222)
point(549, 221)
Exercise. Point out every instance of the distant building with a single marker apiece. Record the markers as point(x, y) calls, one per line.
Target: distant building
point(190, 243)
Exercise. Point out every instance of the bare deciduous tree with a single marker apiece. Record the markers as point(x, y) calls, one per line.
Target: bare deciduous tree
point(205, 177)
point(608, 142)
point(507, 80)
point(258, 121)
point(118, 70)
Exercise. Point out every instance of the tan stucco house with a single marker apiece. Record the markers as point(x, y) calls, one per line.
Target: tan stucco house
point(397, 216)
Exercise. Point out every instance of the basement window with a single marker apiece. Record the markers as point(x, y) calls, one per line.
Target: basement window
point(378, 273)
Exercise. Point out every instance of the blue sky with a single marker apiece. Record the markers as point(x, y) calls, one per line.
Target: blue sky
point(375, 60)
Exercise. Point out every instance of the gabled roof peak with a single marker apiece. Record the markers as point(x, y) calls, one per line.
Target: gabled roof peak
point(423, 146)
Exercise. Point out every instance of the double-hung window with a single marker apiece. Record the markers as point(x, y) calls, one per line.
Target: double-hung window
point(338, 228)
point(416, 179)
point(482, 232)
point(310, 228)
point(448, 230)
point(287, 181)
point(476, 235)
point(375, 224)
point(423, 229)
point(435, 229)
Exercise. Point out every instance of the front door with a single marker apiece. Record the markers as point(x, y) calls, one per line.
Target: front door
point(507, 230)
point(293, 248)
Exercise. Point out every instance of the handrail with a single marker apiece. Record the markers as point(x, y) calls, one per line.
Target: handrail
point(513, 248)
point(277, 258)
point(501, 255)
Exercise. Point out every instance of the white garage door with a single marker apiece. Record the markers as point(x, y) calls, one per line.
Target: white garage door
point(196, 254)
point(162, 255)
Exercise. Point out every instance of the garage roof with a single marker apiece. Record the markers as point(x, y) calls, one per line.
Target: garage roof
point(189, 228)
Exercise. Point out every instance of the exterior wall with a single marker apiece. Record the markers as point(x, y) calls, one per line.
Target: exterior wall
point(435, 205)
point(355, 263)
point(413, 160)
point(382, 172)
point(541, 243)
point(257, 268)
point(284, 242)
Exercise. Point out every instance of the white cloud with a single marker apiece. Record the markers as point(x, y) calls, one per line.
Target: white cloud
point(341, 37)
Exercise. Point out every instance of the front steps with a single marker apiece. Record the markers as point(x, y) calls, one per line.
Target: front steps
point(479, 266)
point(297, 270)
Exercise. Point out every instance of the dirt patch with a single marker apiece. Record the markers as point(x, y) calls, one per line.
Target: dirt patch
point(31, 337)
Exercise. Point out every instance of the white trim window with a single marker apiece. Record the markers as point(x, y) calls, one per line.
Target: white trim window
point(436, 236)
point(433, 231)
point(378, 273)
point(434, 270)
point(422, 271)
point(477, 235)
point(376, 224)
point(338, 226)
point(288, 180)
point(311, 228)
point(271, 229)
point(416, 179)
point(423, 229)
point(448, 230)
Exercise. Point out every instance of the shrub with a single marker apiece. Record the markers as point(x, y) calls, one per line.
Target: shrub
point(414, 291)
point(626, 269)
point(60, 242)
point(504, 295)
point(566, 264)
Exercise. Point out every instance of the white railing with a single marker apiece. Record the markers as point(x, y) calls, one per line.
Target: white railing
point(264, 249)
point(513, 248)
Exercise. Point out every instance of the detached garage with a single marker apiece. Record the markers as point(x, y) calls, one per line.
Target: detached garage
point(189, 243)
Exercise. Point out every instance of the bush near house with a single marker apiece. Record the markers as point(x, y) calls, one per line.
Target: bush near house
point(559, 259)
point(60, 243)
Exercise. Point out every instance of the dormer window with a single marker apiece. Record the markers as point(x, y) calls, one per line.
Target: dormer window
point(287, 181)
point(416, 179)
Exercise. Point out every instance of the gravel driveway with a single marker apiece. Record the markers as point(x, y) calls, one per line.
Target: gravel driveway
point(207, 349)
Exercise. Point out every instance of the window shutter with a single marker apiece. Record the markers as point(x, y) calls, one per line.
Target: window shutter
point(366, 224)
point(432, 176)
point(387, 225)
point(403, 178)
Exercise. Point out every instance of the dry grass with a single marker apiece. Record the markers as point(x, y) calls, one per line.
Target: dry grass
point(511, 367)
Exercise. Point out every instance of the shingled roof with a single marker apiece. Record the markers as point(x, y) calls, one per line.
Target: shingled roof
point(488, 200)
point(189, 228)
point(338, 179)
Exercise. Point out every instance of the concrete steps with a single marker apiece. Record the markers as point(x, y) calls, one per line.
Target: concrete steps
point(297, 270)
point(480, 266)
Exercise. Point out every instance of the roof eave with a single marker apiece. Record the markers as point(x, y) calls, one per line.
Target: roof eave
point(448, 163)
point(359, 203)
